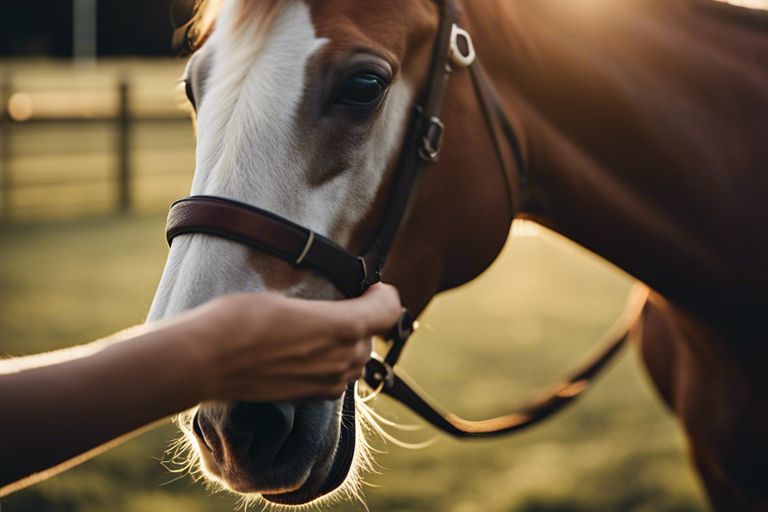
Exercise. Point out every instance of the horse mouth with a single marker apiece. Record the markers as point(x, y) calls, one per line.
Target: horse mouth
point(343, 459)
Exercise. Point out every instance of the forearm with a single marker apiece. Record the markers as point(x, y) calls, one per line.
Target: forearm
point(74, 406)
point(60, 408)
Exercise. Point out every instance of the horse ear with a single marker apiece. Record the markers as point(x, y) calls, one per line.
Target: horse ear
point(182, 12)
point(193, 22)
point(182, 15)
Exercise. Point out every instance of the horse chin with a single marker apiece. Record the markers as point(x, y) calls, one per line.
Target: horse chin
point(311, 491)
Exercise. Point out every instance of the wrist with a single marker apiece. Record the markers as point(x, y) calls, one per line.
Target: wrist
point(213, 336)
point(199, 353)
point(218, 339)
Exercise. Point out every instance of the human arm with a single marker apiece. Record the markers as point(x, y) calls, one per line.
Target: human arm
point(60, 409)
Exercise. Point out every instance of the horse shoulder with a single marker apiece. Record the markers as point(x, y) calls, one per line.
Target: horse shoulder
point(714, 383)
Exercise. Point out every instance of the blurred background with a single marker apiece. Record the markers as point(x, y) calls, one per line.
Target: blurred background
point(92, 120)
point(95, 142)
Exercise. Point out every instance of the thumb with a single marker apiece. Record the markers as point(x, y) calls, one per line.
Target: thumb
point(375, 312)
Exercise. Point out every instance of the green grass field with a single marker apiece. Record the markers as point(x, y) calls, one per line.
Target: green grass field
point(481, 348)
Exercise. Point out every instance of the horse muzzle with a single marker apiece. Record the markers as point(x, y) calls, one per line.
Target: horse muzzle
point(291, 453)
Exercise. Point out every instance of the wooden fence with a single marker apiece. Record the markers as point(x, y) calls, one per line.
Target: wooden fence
point(37, 177)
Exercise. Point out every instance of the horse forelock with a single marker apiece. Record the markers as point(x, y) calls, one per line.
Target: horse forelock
point(207, 12)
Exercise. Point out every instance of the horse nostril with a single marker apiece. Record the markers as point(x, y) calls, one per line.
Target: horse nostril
point(198, 430)
point(267, 426)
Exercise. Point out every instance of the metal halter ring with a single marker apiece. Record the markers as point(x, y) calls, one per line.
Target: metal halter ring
point(432, 141)
point(458, 56)
point(378, 374)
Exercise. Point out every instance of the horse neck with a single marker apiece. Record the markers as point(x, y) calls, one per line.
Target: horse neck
point(644, 128)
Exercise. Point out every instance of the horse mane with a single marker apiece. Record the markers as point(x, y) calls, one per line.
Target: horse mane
point(753, 18)
point(207, 12)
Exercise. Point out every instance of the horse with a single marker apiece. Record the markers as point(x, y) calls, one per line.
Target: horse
point(641, 133)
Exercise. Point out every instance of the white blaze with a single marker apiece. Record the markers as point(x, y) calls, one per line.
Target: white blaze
point(248, 150)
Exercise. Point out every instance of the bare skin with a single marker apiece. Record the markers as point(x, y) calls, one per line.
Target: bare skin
point(73, 404)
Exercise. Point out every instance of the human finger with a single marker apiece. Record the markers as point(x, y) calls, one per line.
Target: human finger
point(294, 390)
point(373, 313)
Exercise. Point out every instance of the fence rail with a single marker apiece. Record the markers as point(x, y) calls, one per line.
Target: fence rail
point(38, 176)
point(5, 150)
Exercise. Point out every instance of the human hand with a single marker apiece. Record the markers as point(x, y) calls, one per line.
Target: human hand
point(267, 347)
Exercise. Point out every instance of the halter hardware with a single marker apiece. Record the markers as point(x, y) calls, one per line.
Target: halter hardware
point(432, 141)
point(369, 278)
point(307, 248)
point(379, 373)
point(457, 56)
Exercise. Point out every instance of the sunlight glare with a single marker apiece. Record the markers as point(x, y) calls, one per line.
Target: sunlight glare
point(522, 228)
point(752, 4)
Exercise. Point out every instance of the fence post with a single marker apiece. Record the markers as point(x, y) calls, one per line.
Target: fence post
point(124, 196)
point(6, 180)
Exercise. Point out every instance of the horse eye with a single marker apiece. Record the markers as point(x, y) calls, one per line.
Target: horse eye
point(362, 90)
point(190, 93)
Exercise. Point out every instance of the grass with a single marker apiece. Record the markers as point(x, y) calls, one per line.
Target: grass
point(491, 344)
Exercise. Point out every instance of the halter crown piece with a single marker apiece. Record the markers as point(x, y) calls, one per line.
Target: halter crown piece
point(353, 274)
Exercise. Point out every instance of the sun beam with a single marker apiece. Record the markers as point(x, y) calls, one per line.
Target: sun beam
point(751, 4)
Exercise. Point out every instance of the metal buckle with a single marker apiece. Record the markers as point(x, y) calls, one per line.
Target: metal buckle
point(369, 278)
point(378, 374)
point(456, 55)
point(399, 336)
point(432, 140)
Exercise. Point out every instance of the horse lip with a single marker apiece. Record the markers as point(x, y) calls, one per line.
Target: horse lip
point(342, 462)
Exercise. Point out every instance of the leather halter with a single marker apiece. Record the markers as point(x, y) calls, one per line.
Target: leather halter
point(352, 274)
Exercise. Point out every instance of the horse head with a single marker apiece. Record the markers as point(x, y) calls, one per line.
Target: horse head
point(302, 108)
